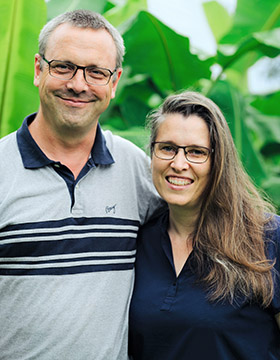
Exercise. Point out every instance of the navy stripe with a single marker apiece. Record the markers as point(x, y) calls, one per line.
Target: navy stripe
point(71, 221)
point(68, 246)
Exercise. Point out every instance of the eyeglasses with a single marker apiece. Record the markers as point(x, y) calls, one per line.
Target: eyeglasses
point(194, 154)
point(93, 75)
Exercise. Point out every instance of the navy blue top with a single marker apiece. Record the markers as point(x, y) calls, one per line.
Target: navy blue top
point(171, 319)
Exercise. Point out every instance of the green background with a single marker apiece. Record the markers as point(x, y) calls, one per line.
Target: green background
point(158, 62)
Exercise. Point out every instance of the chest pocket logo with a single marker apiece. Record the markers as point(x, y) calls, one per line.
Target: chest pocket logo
point(110, 209)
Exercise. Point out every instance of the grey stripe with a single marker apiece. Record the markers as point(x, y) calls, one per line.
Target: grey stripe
point(66, 264)
point(68, 236)
point(68, 256)
point(67, 228)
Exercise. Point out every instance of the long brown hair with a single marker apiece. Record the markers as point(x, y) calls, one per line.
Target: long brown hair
point(230, 254)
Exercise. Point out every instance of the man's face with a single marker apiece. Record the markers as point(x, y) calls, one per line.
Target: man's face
point(74, 106)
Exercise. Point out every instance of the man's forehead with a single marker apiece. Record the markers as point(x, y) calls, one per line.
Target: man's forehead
point(67, 37)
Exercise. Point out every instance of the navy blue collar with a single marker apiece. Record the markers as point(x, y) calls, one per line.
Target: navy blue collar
point(33, 157)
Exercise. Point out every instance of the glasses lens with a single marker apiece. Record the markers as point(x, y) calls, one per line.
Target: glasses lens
point(62, 70)
point(197, 154)
point(165, 151)
point(194, 154)
point(97, 76)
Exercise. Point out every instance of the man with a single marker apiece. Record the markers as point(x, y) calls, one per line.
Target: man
point(71, 200)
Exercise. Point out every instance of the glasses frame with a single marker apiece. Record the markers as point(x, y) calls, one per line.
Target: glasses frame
point(210, 151)
point(77, 67)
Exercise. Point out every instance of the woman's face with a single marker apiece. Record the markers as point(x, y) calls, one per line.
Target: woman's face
point(178, 181)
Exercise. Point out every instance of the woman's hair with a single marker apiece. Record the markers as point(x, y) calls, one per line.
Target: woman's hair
point(230, 254)
point(82, 19)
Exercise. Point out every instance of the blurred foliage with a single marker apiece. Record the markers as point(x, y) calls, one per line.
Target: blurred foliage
point(158, 62)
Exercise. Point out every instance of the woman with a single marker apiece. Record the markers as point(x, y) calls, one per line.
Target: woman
point(206, 271)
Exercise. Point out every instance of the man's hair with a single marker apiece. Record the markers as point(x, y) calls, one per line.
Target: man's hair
point(83, 19)
point(231, 256)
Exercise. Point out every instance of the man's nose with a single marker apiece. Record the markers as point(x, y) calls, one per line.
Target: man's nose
point(78, 82)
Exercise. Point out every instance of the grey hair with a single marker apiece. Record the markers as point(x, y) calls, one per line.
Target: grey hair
point(83, 19)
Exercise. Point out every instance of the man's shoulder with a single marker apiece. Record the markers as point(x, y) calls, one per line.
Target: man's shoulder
point(116, 140)
point(8, 138)
point(120, 147)
point(7, 143)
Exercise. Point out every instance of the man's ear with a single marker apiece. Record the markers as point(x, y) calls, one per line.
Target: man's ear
point(115, 82)
point(37, 70)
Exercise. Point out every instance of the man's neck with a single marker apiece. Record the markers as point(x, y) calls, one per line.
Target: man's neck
point(71, 151)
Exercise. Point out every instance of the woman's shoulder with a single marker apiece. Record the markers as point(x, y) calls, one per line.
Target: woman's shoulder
point(159, 220)
point(272, 228)
point(272, 238)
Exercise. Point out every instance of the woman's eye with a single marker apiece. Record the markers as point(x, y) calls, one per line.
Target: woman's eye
point(168, 149)
point(197, 152)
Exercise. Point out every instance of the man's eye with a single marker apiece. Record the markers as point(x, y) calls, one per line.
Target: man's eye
point(95, 72)
point(63, 67)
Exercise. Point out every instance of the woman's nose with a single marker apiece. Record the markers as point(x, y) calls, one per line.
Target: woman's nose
point(180, 162)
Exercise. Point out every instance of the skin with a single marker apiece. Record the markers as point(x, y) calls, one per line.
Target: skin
point(181, 183)
point(65, 125)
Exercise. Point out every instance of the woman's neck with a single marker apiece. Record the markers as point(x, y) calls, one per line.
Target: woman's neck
point(182, 222)
point(181, 228)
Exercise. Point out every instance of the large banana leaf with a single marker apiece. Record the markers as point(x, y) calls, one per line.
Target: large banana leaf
point(254, 33)
point(268, 104)
point(20, 24)
point(232, 103)
point(253, 16)
point(156, 50)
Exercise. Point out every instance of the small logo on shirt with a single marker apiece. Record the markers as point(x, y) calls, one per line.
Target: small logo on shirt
point(110, 209)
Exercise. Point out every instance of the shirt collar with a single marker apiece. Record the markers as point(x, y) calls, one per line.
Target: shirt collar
point(33, 157)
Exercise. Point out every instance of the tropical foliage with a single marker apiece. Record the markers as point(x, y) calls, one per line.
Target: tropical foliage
point(158, 62)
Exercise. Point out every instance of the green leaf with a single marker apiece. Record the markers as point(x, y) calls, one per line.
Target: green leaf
point(121, 15)
point(266, 128)
point(19, 30)
point(271, 187)
point(268, 104)
point(269, 38)
point(156, 50)
point(232, 103)
point(249, 36)
point(56, 7)
point(218, 18)
point(253, 16)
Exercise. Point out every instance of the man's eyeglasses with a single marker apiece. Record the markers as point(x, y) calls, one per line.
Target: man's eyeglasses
point(64, 70)
point(194, 154)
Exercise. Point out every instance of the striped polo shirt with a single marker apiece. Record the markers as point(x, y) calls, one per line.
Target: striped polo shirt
point(67, 248)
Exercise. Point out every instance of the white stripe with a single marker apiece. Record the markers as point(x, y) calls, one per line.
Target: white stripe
point(67, 228)
point(67, 264)
point(69, 237)
point(68, 256)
